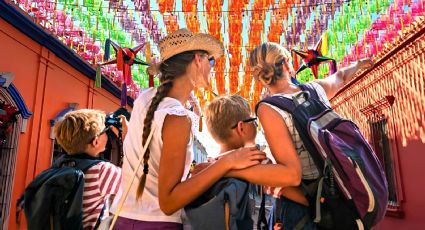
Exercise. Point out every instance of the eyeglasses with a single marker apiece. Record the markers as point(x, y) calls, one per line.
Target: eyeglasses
point(252, 119)
point(101, 133)
point(212, 61)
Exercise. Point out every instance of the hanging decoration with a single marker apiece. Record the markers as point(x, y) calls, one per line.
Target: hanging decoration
point(353, 29)
point(190, 7)
point(235, 18)
point(166, 8)
point(312, 58)
point(125, 58)
point(8, 116)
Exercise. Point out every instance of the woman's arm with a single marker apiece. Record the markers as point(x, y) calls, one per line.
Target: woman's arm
point(273, 175)
point(175, 194)
point(287, 171)
point(336, 81)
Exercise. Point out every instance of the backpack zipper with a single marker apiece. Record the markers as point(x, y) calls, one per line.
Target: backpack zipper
point(336, 174)
point(327, 134)
point(366, 185)
point(226, 212)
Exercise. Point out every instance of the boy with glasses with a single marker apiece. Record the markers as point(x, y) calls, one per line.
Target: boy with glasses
point(82, 133)
point(230, 124)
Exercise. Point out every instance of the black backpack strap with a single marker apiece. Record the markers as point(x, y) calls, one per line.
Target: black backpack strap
point(262, 220)
point(81, 161)
point(19, 207)
point(309, 88)
point(287, 104)
point(281, 102)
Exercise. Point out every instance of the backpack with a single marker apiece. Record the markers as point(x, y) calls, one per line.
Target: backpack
point(352, 189)
point(226, 205)
point(54, 199)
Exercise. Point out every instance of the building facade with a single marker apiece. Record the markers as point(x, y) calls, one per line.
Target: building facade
point(43, 80)
point(388, 104)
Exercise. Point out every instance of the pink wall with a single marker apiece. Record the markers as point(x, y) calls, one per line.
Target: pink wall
point(412, 159)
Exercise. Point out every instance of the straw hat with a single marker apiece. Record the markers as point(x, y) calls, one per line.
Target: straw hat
point(183, 40)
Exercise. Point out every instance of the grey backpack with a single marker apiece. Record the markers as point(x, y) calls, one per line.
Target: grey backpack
point(224, 206)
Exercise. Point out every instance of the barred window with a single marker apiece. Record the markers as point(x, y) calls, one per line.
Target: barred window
point(382, 149)
point(383, 138)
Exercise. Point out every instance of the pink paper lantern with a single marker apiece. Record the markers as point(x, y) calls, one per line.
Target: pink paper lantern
point(417, 9)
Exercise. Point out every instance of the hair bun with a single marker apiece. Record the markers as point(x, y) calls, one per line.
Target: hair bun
point(264, 72)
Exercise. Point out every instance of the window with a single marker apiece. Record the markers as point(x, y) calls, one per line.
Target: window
point(381, 145)
point(8, 154)
point(384, 142)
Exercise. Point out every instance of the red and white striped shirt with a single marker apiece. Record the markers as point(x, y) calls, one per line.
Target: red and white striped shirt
point(272, 191)
point(100, 182)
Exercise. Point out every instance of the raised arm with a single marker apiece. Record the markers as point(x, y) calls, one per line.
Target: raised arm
point(336, 81)
point(175, 194)
point(287, 171)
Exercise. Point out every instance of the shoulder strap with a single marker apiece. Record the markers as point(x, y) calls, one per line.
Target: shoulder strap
point(262, 219)
point(80, 161)
point(287, 104)
point(281, 102)
point(309, 88)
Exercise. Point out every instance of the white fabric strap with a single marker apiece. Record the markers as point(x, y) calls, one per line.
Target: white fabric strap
point(121, 204)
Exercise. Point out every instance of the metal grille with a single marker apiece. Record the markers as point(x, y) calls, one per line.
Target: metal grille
point(8, 153)
point(381, 145)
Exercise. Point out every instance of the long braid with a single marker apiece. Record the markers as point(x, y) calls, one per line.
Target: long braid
point(170, 69)
point(162, 91)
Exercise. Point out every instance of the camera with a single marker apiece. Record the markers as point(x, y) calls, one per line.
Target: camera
point(113, 151)
point(113, 119)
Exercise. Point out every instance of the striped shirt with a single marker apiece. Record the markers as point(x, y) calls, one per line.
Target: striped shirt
point(272, 191)
point(100, 182)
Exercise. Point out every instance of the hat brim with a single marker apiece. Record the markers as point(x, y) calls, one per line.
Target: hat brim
point(199, 42)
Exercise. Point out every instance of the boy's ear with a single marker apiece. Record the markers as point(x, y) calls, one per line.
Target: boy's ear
point(94, 142)
point(239, 128)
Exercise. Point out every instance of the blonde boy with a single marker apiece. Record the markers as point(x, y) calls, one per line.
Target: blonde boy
point(230, 124)
point(83, 132)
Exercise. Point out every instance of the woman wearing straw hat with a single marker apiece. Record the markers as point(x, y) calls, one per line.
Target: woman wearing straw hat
point(155, 200)
point(272, 67)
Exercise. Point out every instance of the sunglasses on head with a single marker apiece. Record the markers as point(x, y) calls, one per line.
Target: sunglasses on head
point(252, 119)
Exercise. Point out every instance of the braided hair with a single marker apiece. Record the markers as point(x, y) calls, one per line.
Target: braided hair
point(170, 69)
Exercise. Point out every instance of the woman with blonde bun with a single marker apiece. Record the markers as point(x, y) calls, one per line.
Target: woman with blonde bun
point(272, 67)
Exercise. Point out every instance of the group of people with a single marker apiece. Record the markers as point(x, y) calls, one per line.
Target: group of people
point(163, 186)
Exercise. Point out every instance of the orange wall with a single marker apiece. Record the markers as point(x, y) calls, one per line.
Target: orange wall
point(47, 85)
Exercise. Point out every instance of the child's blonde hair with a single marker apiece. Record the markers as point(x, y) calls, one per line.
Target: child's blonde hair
point(223, 113)
point(78, 128)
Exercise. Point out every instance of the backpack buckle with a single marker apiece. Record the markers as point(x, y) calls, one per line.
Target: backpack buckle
point(68, 164)
point(300, 98)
